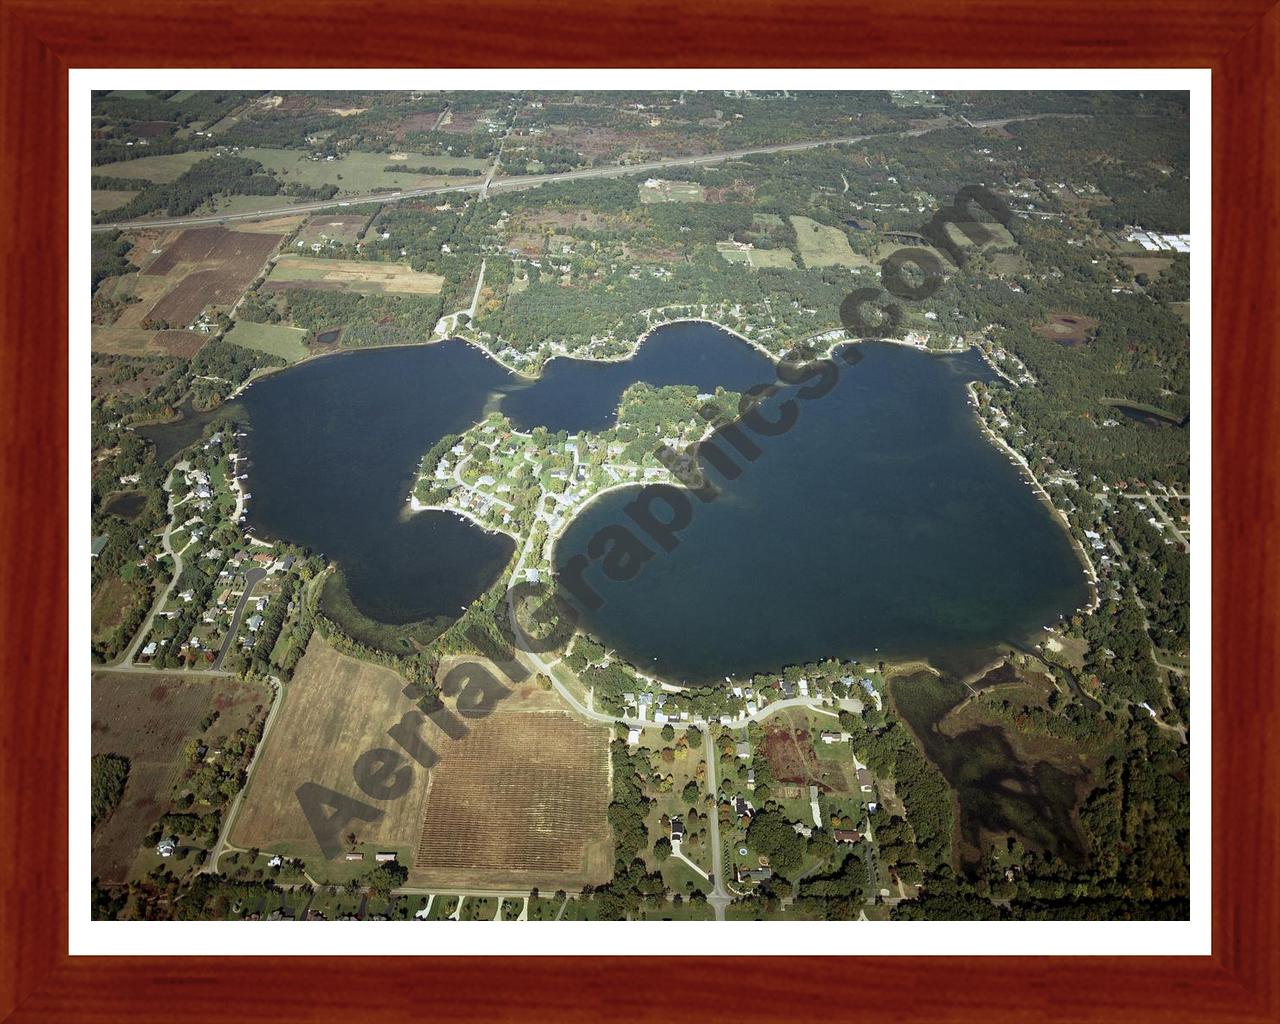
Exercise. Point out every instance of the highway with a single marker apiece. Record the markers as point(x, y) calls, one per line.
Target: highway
point(488, 187)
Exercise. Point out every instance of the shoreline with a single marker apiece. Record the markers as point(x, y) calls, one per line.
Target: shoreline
point(415, 506)
point(1043, 495)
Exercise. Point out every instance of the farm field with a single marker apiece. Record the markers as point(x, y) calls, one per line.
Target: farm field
point(822, 246)
point(338, 227)
point(148, 719)
point(335, 708)
point(368, 277)
point(160, 169)
point(781, 258)
point(211, 267)
point(136, 341)
point(274, 339)
point(101, 200)
point(520, 801)
point(358, 172)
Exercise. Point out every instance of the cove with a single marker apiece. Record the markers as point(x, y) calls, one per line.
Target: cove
point(883, 524)
point(334, 444)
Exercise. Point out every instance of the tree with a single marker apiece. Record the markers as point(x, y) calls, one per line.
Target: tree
point(662, 848)
point(772, 835)
point(385, 877)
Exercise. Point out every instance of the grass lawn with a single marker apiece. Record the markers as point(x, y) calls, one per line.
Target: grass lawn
point(544, 908)
point(336, 904)
point(274, 339)
point(442, 907)
point(479, 908)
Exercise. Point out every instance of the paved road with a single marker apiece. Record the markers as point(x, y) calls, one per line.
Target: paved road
point(527, 180)
point(127, 658)
point(251, 579)
point(718, 897)
point(229, 820)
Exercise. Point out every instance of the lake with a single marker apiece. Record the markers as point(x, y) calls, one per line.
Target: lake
point(883, 524)
point(884, 519)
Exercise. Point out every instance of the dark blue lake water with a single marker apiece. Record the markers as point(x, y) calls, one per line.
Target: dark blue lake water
point(883, 519)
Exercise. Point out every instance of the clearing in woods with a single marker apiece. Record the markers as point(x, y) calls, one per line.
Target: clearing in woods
point(1070, 330)
point(274, 339)
point(519, 801)
point(148, 719)
point(822, 246)
point(160, 169)
point(351, 276)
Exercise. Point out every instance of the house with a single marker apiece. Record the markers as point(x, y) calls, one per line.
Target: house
point(355, 856)
point(751, 778)
point(254, 623)
point(802, 829)
point(677, 830)
point(742, 806)
point(275, 861)
point(830, 737)
point(633, 737)
point(744, 750)
point(383, 858)
point(752, 874)
point(844, 835)
point(865, 779)
point(97, 544)
point(167, 847)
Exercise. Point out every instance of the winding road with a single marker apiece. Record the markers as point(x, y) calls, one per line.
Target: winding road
point(126, 659)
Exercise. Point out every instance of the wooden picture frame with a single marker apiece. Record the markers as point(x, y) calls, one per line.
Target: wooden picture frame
point(41, 39)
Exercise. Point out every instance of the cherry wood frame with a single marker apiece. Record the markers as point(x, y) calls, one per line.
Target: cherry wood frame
point(41, 39)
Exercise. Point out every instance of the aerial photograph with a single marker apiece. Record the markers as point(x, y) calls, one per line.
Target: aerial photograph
point(600, 505)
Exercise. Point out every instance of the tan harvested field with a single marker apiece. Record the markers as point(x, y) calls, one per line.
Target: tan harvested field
point(520, 801)
point(352, 276)
point(1152, 266)
point(211, 267)
point(148, 718)
point(275, 226)
point(335, 708)
point(135, 341)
